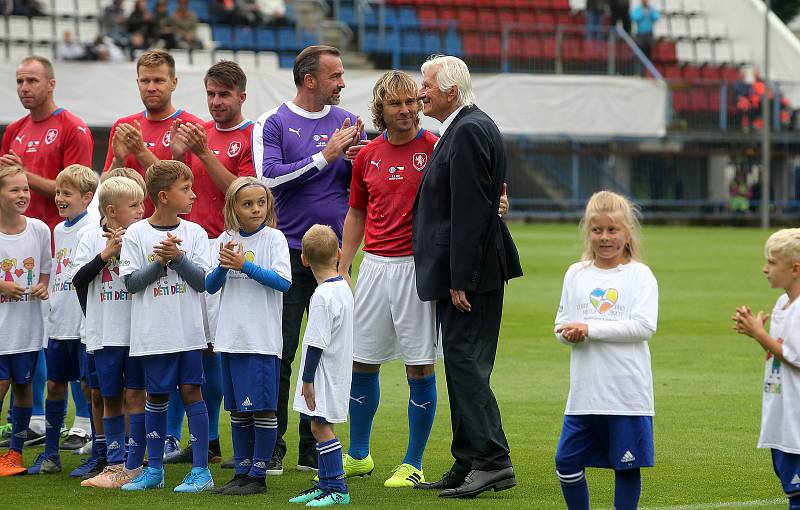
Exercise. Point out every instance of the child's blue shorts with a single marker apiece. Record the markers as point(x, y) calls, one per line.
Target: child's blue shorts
point(117, 371)
point(250, 382)
point(164, 372)
point(605, 441)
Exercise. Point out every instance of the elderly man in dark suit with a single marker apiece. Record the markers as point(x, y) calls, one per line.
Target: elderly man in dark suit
point(464, 254)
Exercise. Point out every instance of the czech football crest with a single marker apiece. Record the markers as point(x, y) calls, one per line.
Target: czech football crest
point(166, 138)
point(234, 148)
point(51, 136)
point(420, 160)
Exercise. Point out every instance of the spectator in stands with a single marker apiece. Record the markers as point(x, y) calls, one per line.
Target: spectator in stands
point(113, 23)
point(68, 49)
point(645, 16)
point(740, 194)
point(136, 46)
point(227, 11)
point(742, 93)
point(595, 10)
point(142, 21)
point(263, 12)
point(103, 49)
point(620, 11)
point(184, 24)
point(27, 8)
point(165, 32)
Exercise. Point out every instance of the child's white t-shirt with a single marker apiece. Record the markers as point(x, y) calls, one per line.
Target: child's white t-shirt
point(167, 316)
point(250, 314)
point(610, 372)
point(108, 302)
point(329, 327)
point(780, 407)
point(64, 321)
point(23, 257)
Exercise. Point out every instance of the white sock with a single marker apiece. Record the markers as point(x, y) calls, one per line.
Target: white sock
point(37, 424)
point(83, 424)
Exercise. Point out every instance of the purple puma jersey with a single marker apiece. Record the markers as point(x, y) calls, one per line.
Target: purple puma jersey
point(287, 156)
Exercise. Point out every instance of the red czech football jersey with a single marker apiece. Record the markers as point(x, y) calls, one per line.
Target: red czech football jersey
point(156, 135)
point(385, 181)
point(47, 147)
point(232, 147)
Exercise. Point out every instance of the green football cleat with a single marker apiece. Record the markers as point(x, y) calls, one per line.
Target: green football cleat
point(355, 467)
point(329, 498)
point(404, 475)
point(307, 495)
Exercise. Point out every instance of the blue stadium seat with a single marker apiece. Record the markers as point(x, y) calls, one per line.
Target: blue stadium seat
point(347, 14)
point(372, 42)
point(223, 35)
point(431, 43)
point(286, 60)
point(411, 42)
point(244, 39)
point(265, 39)
point(406, 17)
point(287, 39)
point(309, 39)
point(452, 44)
point(200, 7)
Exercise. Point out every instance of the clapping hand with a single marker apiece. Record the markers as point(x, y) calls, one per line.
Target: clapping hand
point(40, 291)
point(167, 250)
point(113, 243)
point(231, 255)
point(748, 324)
point(573, 332)
point(11, 290)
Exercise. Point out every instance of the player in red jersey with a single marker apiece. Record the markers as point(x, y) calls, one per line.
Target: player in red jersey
point(219, 149)
point(218, 152)
point(391, 321)
point(46, 140)
point(139, 140)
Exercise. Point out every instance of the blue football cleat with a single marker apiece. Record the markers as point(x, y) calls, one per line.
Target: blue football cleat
point(198, 480)
point(151, 478)
point(44, 465)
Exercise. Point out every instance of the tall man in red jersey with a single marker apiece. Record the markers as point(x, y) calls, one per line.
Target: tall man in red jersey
point(217, 151)
point(139, 140)
point(46, 140)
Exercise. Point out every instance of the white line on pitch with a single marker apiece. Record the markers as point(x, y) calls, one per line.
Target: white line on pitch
point(721, 504)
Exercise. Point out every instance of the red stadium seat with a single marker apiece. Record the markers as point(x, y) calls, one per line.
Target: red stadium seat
point(671, 73)
point(571, 49)
point(526, 18)
point(472, 44)
point(467, 18)
point(505, 17)
point(487, 19)
point(664, 51)
point(680, 100)
point(729, 73)
point(711, 73)
point(546, 18)
point(691, 73)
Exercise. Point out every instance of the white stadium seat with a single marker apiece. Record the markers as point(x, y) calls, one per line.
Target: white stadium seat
point(704, 52)
point(63, 7)
point(17, 52)
point(248, 60)
point(684, 51)
point(723, 53)
point(697, 27)
point(18, 28)
point(64, 24)
point(89, 8)
point(181, 58)
point(89, 30)
point(202, 58)
point(716, 29)
point(679, 27)
point(43, 29)
point(204, 35)
point(741, 53)
point(672, 6)
point(692, 6)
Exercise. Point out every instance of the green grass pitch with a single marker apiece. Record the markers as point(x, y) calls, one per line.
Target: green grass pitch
point(707, 394)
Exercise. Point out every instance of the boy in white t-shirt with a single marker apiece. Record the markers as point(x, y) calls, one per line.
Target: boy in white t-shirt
point(780, 408)
point(107, 306)
point(163, 264)
point(21, 239)
point(75, 187)
point(323, 390)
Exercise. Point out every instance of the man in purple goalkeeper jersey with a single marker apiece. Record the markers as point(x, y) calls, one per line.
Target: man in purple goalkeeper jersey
point(298, 151)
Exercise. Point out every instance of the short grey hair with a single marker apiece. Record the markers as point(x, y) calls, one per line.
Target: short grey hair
point(452, 72)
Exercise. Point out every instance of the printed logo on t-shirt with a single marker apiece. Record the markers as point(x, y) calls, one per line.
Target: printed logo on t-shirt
point(234, 148)
point(33, 146)
point(63, 260)
point(51, 136)
point(603, 300)
point(10, 271)
point(420, 160)
point(166, 138)
point(396, 173)
point(773, 379)
point(322, 140)
point(19, 139)
point(295, 131)
point(108, 276)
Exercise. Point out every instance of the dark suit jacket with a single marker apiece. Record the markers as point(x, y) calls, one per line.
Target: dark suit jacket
point(458, 240)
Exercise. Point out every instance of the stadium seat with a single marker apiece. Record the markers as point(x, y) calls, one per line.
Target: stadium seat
point(223, 36)
point(716, 29)
point(287, 60)
point(723, 53)
point(711, 73)
point(89, 8)
point(88, 30)
point(265, 39)
point(411, 42)
point(42, 29)
point(664, 51)
point(729, 73)
point(679, 27)
point(287, 39)
point(244, 38)
point(671, 73)
point(181, 57)
point(691, 73)
point(204, 35)
point(703, 52)
point(407, 17)
point(202, 58)
point(698, 28)
point(684, 50)
point(248, 60)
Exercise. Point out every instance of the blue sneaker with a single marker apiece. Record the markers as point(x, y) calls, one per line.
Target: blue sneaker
point(172, 448)
point(44, 465)
point(329, 498)
point(151, 478)
point(198, 480)
point(307, 495)
point(87, 466)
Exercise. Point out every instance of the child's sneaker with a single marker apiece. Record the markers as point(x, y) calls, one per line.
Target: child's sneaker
point(86, 467)
point(307, 495)
point(231, 483)
point(112, 477)
point(5, 431)
point(171, 448)
point(151, 478)
point(404, 475)
point(198, 480)
point(329, 498)
point(85, 449)
point(247, 486)
point(44, 465)
point(355, 467)
point(11, 464)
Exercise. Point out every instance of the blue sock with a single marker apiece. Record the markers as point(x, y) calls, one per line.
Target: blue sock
point(81, 406)
point(115, 438)
point(242, 437)
point(212, 392)
point(39, 384)
point(331, 469)
point(137, 442)
point(197, 415)
point(421, 412)
point(365, 395)
point(54, 418)
point(627, 489)
point(175, 415)
point(19, 427)
point(794, 503)
point(155, 425)
point(100, 446)
point(266, 432)
point(574, 489)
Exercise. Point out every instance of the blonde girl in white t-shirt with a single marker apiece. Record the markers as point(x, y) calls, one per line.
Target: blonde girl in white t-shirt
point(607, 314)
point(253, 273)
point(25, 262)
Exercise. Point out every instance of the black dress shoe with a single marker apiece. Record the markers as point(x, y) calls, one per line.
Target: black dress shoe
point(450, 480)
point(478, 481)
